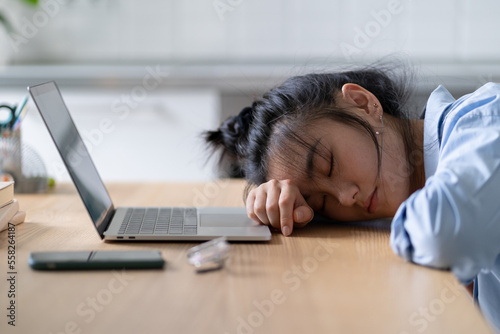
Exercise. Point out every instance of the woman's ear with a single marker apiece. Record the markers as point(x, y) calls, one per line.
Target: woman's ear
point(359, 97)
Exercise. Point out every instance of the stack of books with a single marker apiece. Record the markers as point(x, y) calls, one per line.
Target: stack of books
point(9, 206)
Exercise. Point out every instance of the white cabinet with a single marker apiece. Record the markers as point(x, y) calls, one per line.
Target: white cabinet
point(132, 137)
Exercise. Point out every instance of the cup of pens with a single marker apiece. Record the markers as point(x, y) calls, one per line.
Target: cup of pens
point(10, 139)
point(12, 152)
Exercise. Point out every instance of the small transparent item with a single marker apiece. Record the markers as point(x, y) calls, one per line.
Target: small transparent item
point(210, 255)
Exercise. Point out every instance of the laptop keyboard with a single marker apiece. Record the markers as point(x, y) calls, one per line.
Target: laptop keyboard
point(174, 221)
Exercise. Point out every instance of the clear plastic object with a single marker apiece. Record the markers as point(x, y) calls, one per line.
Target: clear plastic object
point(210, 255)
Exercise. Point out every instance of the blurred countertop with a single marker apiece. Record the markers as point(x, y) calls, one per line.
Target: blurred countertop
point(229, 77)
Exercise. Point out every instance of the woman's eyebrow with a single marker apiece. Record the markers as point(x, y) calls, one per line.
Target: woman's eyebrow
point(310, 159)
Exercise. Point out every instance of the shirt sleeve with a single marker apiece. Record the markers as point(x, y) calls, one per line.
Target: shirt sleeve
point(454, 221)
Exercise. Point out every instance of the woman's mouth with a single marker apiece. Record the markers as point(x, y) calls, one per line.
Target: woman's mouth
point(371, 202)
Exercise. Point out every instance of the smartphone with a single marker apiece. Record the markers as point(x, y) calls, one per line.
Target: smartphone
point(81, 260)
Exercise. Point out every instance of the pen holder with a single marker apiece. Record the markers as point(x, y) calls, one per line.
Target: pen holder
point(10, 154)
point(20, 163)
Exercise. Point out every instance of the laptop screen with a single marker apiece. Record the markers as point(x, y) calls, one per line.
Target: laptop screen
point(74, 153)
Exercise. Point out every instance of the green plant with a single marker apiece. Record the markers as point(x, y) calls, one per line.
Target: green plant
point(4, 20)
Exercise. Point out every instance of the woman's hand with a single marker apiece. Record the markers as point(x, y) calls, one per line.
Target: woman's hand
point(280, 204)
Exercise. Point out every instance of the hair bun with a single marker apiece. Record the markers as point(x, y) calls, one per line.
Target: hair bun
point(244, 119)
point(231, 132)
point(227, 138)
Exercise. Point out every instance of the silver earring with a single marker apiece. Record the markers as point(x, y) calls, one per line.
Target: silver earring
point(381, 121)
point(381, 132)
point(378, 132)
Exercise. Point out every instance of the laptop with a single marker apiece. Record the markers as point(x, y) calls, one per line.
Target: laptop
point(133, 223)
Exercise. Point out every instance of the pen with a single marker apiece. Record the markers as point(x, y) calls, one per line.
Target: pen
point(20, 112)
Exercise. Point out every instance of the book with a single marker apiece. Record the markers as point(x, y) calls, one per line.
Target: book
point(7, 213)
point(17, 219)
point(6, 193)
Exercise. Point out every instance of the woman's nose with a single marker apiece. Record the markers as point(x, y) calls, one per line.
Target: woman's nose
point(347, 194)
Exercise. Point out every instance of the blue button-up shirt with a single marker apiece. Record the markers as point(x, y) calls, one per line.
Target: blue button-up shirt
point(454, 221)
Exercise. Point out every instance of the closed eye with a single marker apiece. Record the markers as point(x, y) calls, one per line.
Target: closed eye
point(330, 172)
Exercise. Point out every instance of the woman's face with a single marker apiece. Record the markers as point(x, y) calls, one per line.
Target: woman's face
point(338, 174)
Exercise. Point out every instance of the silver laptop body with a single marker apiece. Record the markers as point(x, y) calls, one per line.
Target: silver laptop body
point(133, 223)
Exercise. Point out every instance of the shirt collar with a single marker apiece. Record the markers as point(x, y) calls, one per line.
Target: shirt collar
point(438, 103)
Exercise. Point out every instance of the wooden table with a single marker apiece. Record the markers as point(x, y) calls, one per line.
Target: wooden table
point(324, 279)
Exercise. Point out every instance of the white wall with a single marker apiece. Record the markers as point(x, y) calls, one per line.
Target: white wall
point(256, 30)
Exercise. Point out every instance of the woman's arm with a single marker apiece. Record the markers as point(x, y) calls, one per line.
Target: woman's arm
point(454, 221)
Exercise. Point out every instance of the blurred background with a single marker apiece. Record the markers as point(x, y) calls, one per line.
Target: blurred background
point(159, 72)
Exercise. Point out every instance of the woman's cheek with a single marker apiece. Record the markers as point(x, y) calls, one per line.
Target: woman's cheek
point(315, 203)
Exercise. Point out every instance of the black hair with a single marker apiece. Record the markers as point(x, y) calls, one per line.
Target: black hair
point(250, 139)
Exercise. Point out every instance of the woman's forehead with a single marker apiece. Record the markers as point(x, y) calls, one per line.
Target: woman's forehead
point(294, 159)
point(292, 154)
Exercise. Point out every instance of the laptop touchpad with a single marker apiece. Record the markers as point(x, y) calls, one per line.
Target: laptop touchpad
point(225, 220)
